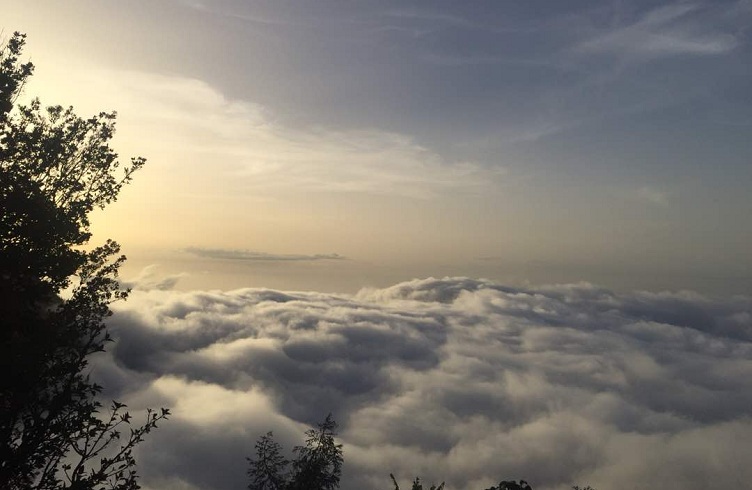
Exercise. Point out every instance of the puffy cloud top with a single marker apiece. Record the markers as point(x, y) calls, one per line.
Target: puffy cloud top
point(451, 379)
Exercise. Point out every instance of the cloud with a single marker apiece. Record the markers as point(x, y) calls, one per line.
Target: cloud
point(651, 195)
point(229, 254)
point(149, 278)
point(228, 13)
point(451, 379)
point(241, 144)
point(669, 30)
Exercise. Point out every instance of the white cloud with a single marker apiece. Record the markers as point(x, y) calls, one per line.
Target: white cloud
point(190, 125)
point(210, 405)
point(453, 379)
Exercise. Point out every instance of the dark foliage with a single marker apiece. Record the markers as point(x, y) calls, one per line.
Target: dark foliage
point(417, 485)
point(13, 74)
point(503, 485)
point(511, 485)
point(55, 168)
point(317, 464)
point(267, 471)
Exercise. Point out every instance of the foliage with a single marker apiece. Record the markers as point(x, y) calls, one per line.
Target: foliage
point(512, 485)
point(503, 485)
point(267, 471)
point(417, 485)
point(317, 464)
point(12, 73)
point(55, 168)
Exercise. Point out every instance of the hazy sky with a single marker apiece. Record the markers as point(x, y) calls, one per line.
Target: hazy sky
point(332, 145)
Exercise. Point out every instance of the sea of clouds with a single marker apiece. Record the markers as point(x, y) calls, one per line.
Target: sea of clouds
point(450, 379)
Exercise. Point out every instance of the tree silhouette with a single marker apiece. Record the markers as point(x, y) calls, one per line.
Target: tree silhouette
point(267, 471)
point(317, 464)
point(512, 485)
point(55, 168)
point(417, 485)
point(503, 485)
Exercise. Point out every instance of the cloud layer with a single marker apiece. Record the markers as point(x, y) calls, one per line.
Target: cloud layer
point(245, 255)
point(453, 379)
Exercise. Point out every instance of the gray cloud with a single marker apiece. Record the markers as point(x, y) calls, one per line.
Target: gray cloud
point(229, 254)
point(456, 379)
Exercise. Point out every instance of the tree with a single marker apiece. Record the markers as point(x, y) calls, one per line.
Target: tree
point(267, 471)
point(317, 465)
point(417, 485)
point(55, 168)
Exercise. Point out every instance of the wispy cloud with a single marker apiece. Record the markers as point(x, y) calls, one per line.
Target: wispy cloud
point(249, 255)
point(679, 29)
point(203, 7)
point(244, 142)
point(475, 59)
point(651, 195)
point(150, 279)
point(432, 18)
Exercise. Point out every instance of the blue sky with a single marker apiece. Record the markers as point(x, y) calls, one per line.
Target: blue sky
point(608, 141)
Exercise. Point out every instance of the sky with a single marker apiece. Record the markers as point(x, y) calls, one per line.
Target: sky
point(495, 239)
point(526, 142)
